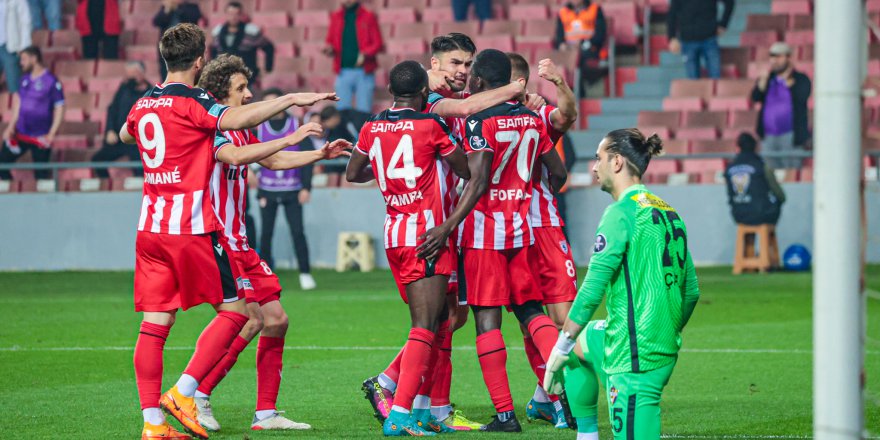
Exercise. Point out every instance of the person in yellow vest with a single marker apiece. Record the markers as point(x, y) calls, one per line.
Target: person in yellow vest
point(581, 24)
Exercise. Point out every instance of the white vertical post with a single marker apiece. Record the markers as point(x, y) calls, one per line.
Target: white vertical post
point(838, 408)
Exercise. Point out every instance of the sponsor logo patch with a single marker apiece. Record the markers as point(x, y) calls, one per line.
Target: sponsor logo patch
point(564, 246)
point(613, 395)
point(600, 244)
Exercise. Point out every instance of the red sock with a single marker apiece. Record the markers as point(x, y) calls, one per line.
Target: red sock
point(393, 370)
point(442, 373)
point(534, 356)
point(493, 362)
point(269, 362)
point(544, 335)
point(222, 368)
point(214, 342)
point(148, 362)
point(428, 383)
point(413, 366)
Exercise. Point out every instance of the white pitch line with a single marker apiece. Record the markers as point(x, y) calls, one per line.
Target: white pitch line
point(736, 436)
point(873, 294)
point(396, 348)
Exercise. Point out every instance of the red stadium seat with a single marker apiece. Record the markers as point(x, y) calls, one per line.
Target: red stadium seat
point(298, 65)
point(663, 132)
point(545, 28)
point(767, 22)
point(687, 88)
point(319, 4)
point(676, 146)
point(670, 120)
point(501, 27)
point(75, 115)
point(71, 84)
point(412, 30)
point(470, 28)
point(289, 6)
point(758, 38)
point(800, 38)
point(322, 64)
point(705, 119)
point(40, 38)
point(624, 19)
point(791, 7)
point(729, 103)
point(83, 100)
point(285, 50)
point(284, 34)
point(734, 87)
point(82, 69)
point(317, 32)
point(440, 4)
point(398, 15)
point(311, 49)
point(141, 53)
point(526, 46)
point(437, 15)
point(63, 141)
point(801, 22)
point(146, 36)
point(311, 17)
point(702, 165)
point(713, 146)
point(270, 19)
point(528, 12)
point(697, 133)
point(625, 75)
point(745, 119)
point(417, 4)
point(658, 6)
point(683, 104)
point(285, 81)
point(405, 45)
point(503, 43)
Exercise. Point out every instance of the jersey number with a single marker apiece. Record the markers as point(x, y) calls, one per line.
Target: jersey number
point(672, 233)
point(523, 160)
point(156, 143)
point(409, 172)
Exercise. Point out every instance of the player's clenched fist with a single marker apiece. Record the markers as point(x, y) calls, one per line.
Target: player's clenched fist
point(549, 71)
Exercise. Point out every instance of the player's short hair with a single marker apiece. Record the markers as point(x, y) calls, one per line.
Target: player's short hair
point(635, 147)
point(181, 46)
point(407, 79)
point(746, 142)
point(493, 67)
point(272, 91)
point(328, 113)
point(236, 5)
point(452, 41)
point(35, 52)
point(518, 65)
point(217, 76)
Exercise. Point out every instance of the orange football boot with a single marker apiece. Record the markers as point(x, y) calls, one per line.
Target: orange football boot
point(162, 432)
point(184, 410)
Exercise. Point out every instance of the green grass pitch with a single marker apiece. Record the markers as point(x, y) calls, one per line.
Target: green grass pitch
point(66, 347)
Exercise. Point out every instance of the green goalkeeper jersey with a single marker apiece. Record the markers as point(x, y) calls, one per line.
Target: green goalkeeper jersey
point(641, 260)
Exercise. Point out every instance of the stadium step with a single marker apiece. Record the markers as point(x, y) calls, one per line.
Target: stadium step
point(586, 142)
point(646, 90)
point(631, 105)
point(611, 121)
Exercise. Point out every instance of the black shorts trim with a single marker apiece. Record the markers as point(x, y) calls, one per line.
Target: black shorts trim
point(227, 278)
point(462, 282)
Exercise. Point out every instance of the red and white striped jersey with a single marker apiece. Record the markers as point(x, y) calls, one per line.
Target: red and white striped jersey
point(404, 147)
point(517, 137)
point(229, 189)
point(174, 127)
point(456, 127)
point(543, 211)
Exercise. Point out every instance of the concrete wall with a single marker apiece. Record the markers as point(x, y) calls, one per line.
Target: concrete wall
point(96, 231)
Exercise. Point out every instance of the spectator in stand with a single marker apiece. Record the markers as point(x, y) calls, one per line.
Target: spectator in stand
point(483, 9)
point(15, 35)
point(754, 195)
point(243, 39)
point(51, 9)
point(693, 29)
point(290, 188)
point(354, 40)
point(581, 24)
point(783, 93)
point(98, 23)
point(37, 112)
point(173, 13)
point(134, 87)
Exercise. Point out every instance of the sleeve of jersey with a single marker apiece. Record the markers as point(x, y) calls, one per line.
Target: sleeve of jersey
point(691, 290)
point(220, 141)
point(361, 144)
point(545, 143)
point(445, 142)
point(206, 113)
point(474, 139)
point(554, 134)
point(433, 99)
point(611, 243)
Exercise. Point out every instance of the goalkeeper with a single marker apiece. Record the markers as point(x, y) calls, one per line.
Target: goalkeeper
point(641, 260)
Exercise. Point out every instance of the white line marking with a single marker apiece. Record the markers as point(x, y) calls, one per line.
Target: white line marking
point(15, 348)
point(873, 294)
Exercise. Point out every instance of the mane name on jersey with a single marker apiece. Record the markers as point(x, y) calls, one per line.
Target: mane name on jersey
point(155, 102)
point(516, 122)
point(162, 178)
point(403, 199)
point(384, 127)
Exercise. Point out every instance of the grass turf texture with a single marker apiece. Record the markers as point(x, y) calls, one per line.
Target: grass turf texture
point(67, 341)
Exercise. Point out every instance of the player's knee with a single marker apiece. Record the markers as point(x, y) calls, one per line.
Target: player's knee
point(254, 325)
point(276, 325)
point(526, 312)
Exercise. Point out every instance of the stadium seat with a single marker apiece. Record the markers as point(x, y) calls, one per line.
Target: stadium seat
point(437, 15)
point(660, 169)
point(713, 146)
point(543, 28)
point(528, 45)
point(800, 38)
point(141, 53)
point(71, 84)
point(270, 19)
point(658, 6)
point(806, 53)
point(397, 15)
point(701, 165)
point(440, 3)
point(316, 32)
point(412, 30)
point(659, 130)
point(311, 17)
point(416, 4)
point(311, 49)
point(697, 133)
point(40, 38)
point(322, 64)
point(683, 104)
point(688, 88)
point(758, 38)
point(503, 43)
point(471, 28)
point(284, 34)
point(501, 27)
point(401, 46)
point(801, 21)
point(676, 146)
point(318, 4)
point(298, 65)
point(767, 22)
point(110, 68)
point(625, 75)
point(63, 141)
point(588, 107)
point(285, 5)
point(146, 36)
point(284, 80)
point(82, 100)
point(623, 19)
point(791, 7)
point(75, 115)
point(528, 12)
point(670, 120)
point(81, 69)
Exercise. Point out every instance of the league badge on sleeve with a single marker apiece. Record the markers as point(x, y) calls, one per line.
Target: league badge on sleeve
point(477, 143)
point(600, 244)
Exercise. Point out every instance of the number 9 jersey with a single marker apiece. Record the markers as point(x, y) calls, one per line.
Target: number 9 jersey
point(174, 127)
point(405, 148)
point(517, 137)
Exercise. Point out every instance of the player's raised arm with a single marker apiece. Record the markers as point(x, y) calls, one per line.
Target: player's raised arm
point(462, 108)
point(288, 160)
point(253, 153)
point(566, 113)
point(251, 115)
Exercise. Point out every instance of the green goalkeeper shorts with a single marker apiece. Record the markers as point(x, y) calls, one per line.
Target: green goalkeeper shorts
point(634, 403)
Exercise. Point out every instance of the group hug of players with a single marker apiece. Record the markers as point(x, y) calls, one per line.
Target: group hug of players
point(471, 221)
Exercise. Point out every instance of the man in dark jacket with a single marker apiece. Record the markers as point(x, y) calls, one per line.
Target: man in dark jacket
point(693, 29)
point(354, 40)
point(173, 13)
point(754, 195)
point(243, 39)
point(783, 93)
point(134, 87)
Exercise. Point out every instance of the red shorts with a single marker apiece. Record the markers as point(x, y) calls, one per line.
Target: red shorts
point(260, 283)
point(553, 266)
point(408, 268)
point(181, 271)
point(494, 278)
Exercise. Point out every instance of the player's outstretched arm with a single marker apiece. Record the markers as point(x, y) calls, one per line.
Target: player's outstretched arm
point(358, 169)
point(556, 169)
point(253, 153)
point(691, 290)
point(462, 108)
point(566, 113)
point(288, 160)
point(480, 164)
point(251, 115)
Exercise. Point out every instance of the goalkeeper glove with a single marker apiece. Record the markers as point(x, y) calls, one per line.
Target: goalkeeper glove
point(558, 358)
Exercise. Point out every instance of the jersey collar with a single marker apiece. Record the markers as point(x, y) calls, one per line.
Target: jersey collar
point(634, 188)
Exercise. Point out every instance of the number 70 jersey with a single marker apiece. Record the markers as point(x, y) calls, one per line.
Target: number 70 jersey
point(517, 137)
point(405, 149)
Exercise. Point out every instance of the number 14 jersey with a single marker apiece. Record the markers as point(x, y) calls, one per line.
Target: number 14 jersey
point(405, 147)
point(517, 137)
